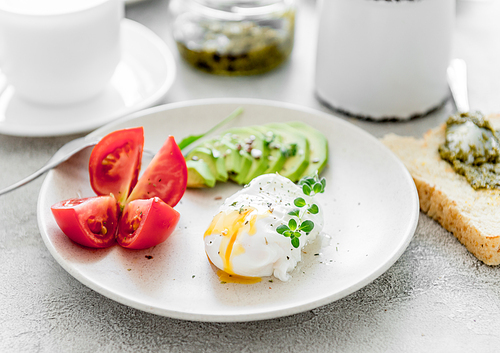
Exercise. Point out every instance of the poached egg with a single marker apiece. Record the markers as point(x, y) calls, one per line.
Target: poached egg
point(242, 238)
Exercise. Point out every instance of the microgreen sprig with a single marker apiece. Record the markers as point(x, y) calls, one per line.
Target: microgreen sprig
point(296, 227)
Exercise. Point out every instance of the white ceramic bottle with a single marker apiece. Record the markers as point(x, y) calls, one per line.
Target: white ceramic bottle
point(381, 59)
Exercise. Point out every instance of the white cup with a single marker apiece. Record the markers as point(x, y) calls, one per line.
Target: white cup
point(59, 51)
point(383, 59)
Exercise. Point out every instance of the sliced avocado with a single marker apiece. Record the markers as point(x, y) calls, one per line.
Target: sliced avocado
point(227, 149)
point(199, 174)
point(250, 143)
point(276, 158)
point(318, 148)
point(246, 164)
point(216, 164)
point(297, 150)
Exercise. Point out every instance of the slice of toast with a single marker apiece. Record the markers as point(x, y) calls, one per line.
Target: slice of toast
point(473, 216)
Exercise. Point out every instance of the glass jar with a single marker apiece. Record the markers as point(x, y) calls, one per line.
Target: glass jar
point(233, 37)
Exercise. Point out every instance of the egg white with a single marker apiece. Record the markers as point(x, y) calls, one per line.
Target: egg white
point(253, 214)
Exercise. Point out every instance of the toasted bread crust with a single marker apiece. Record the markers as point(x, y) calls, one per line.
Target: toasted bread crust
point(473, 216)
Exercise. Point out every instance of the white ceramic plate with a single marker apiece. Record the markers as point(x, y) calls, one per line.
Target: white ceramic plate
point(371, 212)
point(142, 78)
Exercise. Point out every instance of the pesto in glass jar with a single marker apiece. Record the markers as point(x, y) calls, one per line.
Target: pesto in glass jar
point(233, 37)
point(472, 147)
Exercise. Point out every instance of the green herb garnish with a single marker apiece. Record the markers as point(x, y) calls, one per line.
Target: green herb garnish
point(290, 151)
point(192, 138)
point(296, 227)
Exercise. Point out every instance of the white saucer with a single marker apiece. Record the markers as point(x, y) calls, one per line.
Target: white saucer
point(142, 78)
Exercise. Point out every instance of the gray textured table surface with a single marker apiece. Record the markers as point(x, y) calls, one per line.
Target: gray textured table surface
point(436, 298)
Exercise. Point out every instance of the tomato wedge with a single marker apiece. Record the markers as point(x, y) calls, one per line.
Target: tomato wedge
point(146, 223)
point(115, 162)
point(90, 222)
point(165, 177)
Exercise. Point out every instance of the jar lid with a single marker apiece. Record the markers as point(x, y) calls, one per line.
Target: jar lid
point(239, 9)
point(242, 3)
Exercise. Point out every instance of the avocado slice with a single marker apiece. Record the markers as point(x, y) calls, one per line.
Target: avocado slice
point(216, 164)
point(199, 174)
point(276, 158)
point(250, 143)
point(227, 149)
point(239, 161)
point(297, 149)
point(318, 148)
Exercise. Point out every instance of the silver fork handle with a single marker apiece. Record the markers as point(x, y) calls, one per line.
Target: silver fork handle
point(29, 178)
point(61, 155)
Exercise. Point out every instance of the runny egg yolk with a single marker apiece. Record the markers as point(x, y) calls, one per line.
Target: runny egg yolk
point(227, 278)
point(230, 226)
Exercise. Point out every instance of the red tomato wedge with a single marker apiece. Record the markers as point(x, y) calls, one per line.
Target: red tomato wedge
point(90, 222)
point(165, 177)
point(146, 223)
point(115, 162)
